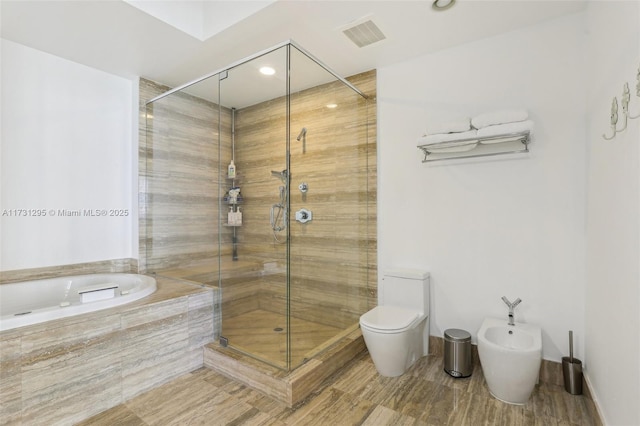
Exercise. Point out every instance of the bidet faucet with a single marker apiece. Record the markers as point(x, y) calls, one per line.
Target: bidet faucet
point(511, 308)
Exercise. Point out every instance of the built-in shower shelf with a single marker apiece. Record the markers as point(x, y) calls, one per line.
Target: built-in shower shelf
point(477, 147)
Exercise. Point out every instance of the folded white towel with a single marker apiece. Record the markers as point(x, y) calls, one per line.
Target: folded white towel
point(504, 129)
point(461, 124)
point(468, 146)
point(452, 139)
point(499, 117)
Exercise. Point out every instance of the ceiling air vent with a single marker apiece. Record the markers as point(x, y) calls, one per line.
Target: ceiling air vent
point(364, 33)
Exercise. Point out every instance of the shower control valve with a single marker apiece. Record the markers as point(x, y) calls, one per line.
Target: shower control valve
point(304, 215)
point(303, 187)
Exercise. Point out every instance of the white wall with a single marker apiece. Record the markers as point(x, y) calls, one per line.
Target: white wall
point(67, 143)
point(612, 320)
point(512, 226)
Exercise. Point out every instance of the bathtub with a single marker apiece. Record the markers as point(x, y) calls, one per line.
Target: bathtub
point(33, 302)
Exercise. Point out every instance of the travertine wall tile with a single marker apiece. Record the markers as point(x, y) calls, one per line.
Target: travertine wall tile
point(10, 382)
point(333, 261)
point(42, 343)
point(178, 158)
point(100, 267)
point(156, 312)
point(70, 372)
point(201, 326)
point(78, 385)
point(263, 382)
point(200, 300)
point(338, 161)
point(150, 350)
point(288, 387)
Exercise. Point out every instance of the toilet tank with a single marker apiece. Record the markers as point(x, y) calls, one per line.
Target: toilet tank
point(406, 288)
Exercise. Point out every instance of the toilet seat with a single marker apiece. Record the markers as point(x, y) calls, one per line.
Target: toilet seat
point(389, 319)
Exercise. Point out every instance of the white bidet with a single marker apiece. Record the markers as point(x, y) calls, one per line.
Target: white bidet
point(510, 356)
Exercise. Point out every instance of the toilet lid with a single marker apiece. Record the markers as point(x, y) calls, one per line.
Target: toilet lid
point(389, 318)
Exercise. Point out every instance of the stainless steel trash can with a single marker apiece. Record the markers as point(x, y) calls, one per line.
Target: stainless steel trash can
point(457, 353)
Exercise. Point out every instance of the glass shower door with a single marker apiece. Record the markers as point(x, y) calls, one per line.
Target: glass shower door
point(329, 199)
point(178, 186)
point(256, 183)
point(253, 274)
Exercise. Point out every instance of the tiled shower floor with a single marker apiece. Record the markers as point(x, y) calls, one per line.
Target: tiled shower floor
point(263, 334)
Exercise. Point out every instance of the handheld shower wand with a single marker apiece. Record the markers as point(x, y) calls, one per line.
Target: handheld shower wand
point(278, 213)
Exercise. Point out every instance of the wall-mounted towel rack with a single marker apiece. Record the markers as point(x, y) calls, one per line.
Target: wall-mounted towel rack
point(511, 143)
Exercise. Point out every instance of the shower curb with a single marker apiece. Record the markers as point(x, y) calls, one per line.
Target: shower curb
point(287, 387)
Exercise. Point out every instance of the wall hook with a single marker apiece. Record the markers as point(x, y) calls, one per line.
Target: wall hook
point(626, 97)
point(614, 119)
point(637, 93)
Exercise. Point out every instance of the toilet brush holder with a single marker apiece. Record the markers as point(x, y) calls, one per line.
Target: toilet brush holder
point(572, 371)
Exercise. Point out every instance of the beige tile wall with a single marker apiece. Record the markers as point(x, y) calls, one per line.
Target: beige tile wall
point(178, 181)
point(333, 258)
point(100, 267)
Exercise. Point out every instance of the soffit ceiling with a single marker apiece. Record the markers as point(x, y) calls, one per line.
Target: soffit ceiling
point(121, 39)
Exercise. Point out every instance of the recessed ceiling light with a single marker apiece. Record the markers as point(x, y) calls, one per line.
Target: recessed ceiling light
point(332, 105)
point(267, 71)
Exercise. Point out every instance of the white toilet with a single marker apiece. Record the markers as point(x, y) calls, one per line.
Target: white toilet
point(396, 331)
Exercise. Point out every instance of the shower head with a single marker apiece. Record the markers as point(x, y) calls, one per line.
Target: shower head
point(302, 134)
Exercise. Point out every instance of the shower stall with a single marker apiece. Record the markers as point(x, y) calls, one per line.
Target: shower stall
point(258, 181)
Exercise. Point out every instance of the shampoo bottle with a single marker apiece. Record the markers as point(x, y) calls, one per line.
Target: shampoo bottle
point(231, 171)
point(230, 216)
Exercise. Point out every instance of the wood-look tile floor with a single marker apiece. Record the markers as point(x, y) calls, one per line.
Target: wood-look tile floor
point(356, 395)
point(263, 334)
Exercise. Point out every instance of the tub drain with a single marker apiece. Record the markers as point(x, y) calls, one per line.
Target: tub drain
point(278, 329)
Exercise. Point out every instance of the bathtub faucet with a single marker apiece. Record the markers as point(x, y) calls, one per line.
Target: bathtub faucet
point(511, 308)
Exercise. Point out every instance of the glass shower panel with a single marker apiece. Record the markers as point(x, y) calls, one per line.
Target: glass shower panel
point(284, 238)
point(328, 230)
point(254, 251)
point(180, 184)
